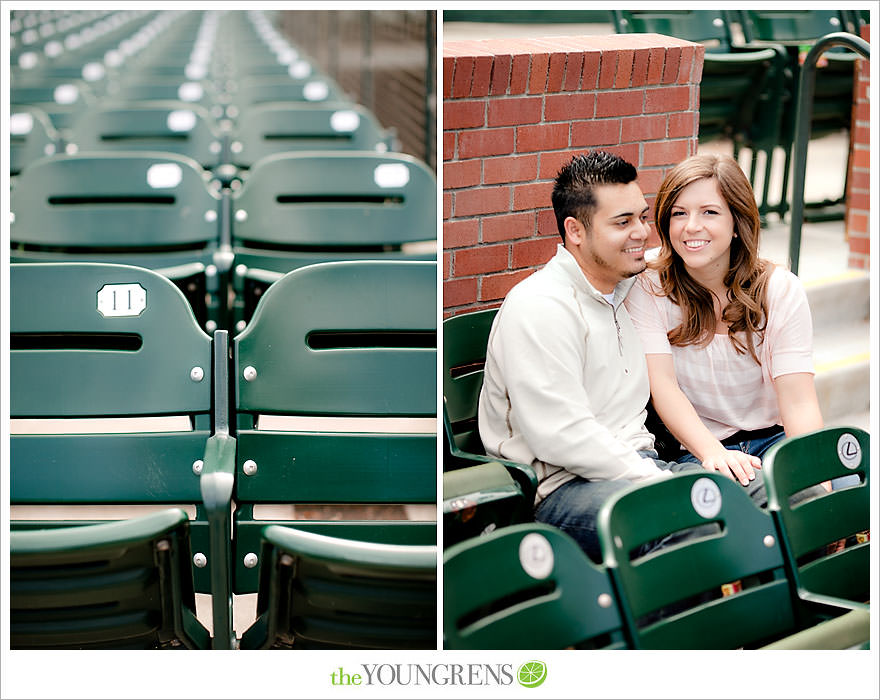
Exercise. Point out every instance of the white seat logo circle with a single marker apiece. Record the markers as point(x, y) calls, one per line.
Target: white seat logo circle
point(536, 555)
point(849, 452)
point(706, 497)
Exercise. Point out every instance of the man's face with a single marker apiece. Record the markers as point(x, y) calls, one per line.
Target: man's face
point(612, 247)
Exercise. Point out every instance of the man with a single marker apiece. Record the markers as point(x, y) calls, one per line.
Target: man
point(566, 384)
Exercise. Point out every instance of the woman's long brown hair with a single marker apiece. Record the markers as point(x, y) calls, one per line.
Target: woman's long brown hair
point(745, 311)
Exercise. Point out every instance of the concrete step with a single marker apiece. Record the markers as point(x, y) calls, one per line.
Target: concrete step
point(839, 298)
point(841, 345)
point(841, 354)
point(843, 390)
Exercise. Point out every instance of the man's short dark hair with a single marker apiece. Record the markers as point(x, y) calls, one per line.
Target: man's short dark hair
point(573, 189)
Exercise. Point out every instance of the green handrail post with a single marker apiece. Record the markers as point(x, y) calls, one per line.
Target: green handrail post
point(216, 484)
point(804, 116)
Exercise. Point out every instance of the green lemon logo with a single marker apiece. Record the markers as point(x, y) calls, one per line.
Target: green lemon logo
point(532, 673)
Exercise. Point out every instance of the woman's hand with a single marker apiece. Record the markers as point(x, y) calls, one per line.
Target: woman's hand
point(734, 464)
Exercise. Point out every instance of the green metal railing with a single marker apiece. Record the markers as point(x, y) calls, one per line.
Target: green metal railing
point(806, 91)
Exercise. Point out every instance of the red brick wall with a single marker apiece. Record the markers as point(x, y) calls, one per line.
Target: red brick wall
point(515, 110)
point(858, 194)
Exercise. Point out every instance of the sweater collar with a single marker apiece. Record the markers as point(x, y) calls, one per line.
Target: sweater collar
point(570, 268)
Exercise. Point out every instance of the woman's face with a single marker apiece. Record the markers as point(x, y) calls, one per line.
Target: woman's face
point(701, 229)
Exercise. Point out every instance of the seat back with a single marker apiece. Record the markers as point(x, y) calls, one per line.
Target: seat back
point(336, 392)
point(118, 202)
point(465, 337)
point(149, 87)
point(810, 527)
point(709, 27)
point(166, 126)
point(117, 585)
point(265, 129)
point(253, 90)
point(526, 587)
point(712, 535)
point(791, 25)
point(319, 592)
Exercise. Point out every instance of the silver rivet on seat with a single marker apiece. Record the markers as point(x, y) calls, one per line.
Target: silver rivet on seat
point(604, 600)
point(197, 374)
point(200, 560)
point(249, 467)
point(241, 215)
point(769, 541)
point(210, 216)
point(250, 373)
point(250, 560)
point(198, 465)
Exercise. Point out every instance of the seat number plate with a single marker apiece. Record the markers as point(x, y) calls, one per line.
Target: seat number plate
point(121, 300)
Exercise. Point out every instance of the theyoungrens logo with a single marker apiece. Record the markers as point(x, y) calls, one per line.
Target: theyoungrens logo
point(529, 675)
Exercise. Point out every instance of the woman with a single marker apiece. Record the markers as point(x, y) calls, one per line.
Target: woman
point(727, 335)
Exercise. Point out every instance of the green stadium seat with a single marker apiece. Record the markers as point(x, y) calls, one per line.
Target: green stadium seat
point(465, 337)
point(297, 209)
point(116, 585)
point(711, 535)
point(117, 398)
point(797, 30)
point(527, 587)
point(267, 129)
point(809, 529)
point(273, 88)
point(791, 25)
point(150, 88)
point(159, 126)
point(481, 498)
point(742, 95)
point(335, 396)
point(320, 592)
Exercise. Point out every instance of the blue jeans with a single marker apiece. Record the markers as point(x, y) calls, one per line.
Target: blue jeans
point(574, 506)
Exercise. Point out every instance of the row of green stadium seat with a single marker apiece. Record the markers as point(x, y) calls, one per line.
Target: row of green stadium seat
point(179, 127)
point(171, 59)
point(530, 586)
point(119, 398)
point(487, 513)
point(749, 82)
point(158, 210)
point(108, 47)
